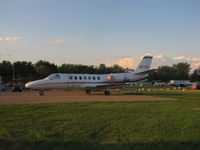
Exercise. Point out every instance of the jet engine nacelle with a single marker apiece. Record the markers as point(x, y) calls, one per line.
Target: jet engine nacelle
point(111, 78)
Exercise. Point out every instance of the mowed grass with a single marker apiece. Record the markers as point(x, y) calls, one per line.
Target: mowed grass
point(161, 125)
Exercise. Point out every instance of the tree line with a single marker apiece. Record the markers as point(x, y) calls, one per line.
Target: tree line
point(27, 71)
point(179, 71)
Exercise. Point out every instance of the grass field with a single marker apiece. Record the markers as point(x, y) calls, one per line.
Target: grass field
point(161, 125)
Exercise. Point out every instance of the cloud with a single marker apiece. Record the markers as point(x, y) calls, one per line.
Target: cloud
point(193, 61)
point(132, 62)
point(195, 65)
point(126, 62)
point(10, 39)
point(186, 58)
point(159, 56)
point(180, 58)
point(158, 60)
point(5, 56)
point(61, 40)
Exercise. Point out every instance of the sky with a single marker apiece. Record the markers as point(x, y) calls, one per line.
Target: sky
point(100, 31)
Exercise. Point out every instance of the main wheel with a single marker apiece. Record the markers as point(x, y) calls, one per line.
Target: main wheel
point(88, 91)
point(106, 92)
point(41, 92)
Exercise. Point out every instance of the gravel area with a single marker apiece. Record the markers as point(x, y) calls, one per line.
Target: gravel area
point(28, 97)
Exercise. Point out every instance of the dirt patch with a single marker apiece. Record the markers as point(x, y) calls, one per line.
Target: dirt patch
point(196, 108)
point(69, 97)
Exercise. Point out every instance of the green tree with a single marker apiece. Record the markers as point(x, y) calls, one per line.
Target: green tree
point(181, 71)
point(6, 70)
point(24, 70)
point(102, 69)
point(153, 75)
point(71, 68)
point(165, 73)
point(195, 76)
point(45, 68)
point(116, 69)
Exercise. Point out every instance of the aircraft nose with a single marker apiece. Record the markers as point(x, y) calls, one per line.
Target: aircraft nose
point(33, 84)
point(28, 85)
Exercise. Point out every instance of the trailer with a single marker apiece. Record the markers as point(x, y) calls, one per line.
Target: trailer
point(195, 85)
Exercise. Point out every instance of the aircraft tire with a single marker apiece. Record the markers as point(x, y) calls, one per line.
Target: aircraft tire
point(41, 92)
point(88, 91)
point(106, 92)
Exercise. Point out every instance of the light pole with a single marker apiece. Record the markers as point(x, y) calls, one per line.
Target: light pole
point(13, 72)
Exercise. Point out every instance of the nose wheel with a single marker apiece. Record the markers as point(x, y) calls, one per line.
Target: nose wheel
point(41, 92)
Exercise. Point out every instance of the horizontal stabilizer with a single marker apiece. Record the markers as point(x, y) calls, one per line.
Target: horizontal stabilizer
point(145, 72)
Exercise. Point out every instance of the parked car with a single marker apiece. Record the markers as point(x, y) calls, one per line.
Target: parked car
point(2, 86)
point(178, 85)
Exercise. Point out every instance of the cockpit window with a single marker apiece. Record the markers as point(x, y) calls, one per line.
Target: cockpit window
point(54, 77)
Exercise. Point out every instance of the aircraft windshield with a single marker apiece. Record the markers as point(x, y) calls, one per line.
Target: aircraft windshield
point(54, 77)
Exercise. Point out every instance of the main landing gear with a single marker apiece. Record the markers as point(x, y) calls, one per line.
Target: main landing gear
point(106, 92)
point(88, 91)
point(41, 92)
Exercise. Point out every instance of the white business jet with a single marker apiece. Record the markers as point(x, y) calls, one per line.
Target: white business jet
point(92, 81)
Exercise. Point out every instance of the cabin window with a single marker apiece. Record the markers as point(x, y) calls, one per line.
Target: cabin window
point(89, 78)
point(80, 78)
point(98, 78)
point(70, 77)
point(94, 78)
point(75, 78)
point(84, 77)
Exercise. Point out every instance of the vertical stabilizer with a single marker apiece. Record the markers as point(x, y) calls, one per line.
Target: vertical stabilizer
point(144, 65)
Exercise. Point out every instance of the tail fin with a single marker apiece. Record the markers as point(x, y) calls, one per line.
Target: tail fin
point(144, 64)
